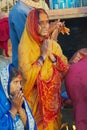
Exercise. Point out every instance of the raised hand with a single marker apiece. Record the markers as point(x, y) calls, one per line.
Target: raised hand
point(56, 28)
point(16, 101)
point(45, 48)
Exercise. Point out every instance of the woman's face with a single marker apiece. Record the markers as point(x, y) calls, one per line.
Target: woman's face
point(15, 84)
point(43, 24)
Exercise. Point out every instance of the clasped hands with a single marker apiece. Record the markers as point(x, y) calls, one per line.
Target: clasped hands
point(46, 50)
point(16, 103)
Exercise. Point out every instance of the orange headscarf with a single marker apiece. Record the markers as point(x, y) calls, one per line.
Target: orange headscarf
point(32, 25)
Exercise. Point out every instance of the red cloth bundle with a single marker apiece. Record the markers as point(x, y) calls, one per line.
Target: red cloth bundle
point(4, 34)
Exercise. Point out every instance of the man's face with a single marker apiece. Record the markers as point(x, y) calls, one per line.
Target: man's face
point(43, 24)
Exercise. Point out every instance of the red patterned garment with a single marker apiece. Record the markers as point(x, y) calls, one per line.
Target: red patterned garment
point(49, 92)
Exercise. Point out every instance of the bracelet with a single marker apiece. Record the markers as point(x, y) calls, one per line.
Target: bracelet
point(41, 58)
point(55, 60)
point(39, 63)
point(13, 115)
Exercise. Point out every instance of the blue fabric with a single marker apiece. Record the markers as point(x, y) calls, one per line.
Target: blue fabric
point(64, 95)
point(17, 19)
point(4, 103)
point(5, 117)
point(30, 124)
point(6, 121)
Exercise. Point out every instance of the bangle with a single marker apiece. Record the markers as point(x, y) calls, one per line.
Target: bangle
point(13, 115)
point(55, 60)
point(41, 58)
point(39, 63)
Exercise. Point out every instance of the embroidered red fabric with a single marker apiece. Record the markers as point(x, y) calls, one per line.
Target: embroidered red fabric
point(49, 92)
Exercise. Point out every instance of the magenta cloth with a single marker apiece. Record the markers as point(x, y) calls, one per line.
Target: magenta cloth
point(76, 86)
point(4, 34)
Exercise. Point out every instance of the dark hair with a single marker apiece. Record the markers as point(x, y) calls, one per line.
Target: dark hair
point(14, 72)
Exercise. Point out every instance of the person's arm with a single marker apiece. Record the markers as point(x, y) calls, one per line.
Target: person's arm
point(16, 103)
point(56, 28)
point(23, 116)
point(18, 23)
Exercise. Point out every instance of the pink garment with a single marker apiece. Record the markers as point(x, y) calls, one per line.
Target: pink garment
point(4, 34)
point(76, 86)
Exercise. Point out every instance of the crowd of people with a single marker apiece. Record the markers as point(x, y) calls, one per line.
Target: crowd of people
point(30, 86)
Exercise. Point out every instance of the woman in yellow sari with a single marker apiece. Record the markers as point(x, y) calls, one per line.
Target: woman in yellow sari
point(42, 62)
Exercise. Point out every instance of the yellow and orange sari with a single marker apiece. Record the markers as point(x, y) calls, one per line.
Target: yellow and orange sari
point(42, 86)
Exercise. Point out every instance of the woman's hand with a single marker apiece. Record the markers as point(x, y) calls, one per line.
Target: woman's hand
point(60, 25)
point(17, 100)
point(22, 114)
point(45, 48)
point(57, 28)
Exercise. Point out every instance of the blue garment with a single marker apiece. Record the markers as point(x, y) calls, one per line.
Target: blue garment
point(5, 117)
point(4, 104)
point(64, 95)
point(17, 19)
point(6, 120)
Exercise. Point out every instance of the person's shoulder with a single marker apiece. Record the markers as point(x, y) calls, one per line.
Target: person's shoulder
point(15, 12)
point(19, 9)
point(15, 8)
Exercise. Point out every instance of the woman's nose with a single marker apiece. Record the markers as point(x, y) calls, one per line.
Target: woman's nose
point(45, 24)
point(19, 85)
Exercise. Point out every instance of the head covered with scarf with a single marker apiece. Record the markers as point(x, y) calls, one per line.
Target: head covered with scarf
point(32, 25)
point(7, 74)
point(43, 83)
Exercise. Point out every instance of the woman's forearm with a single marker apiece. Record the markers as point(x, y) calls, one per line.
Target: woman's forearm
point(23, 117)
